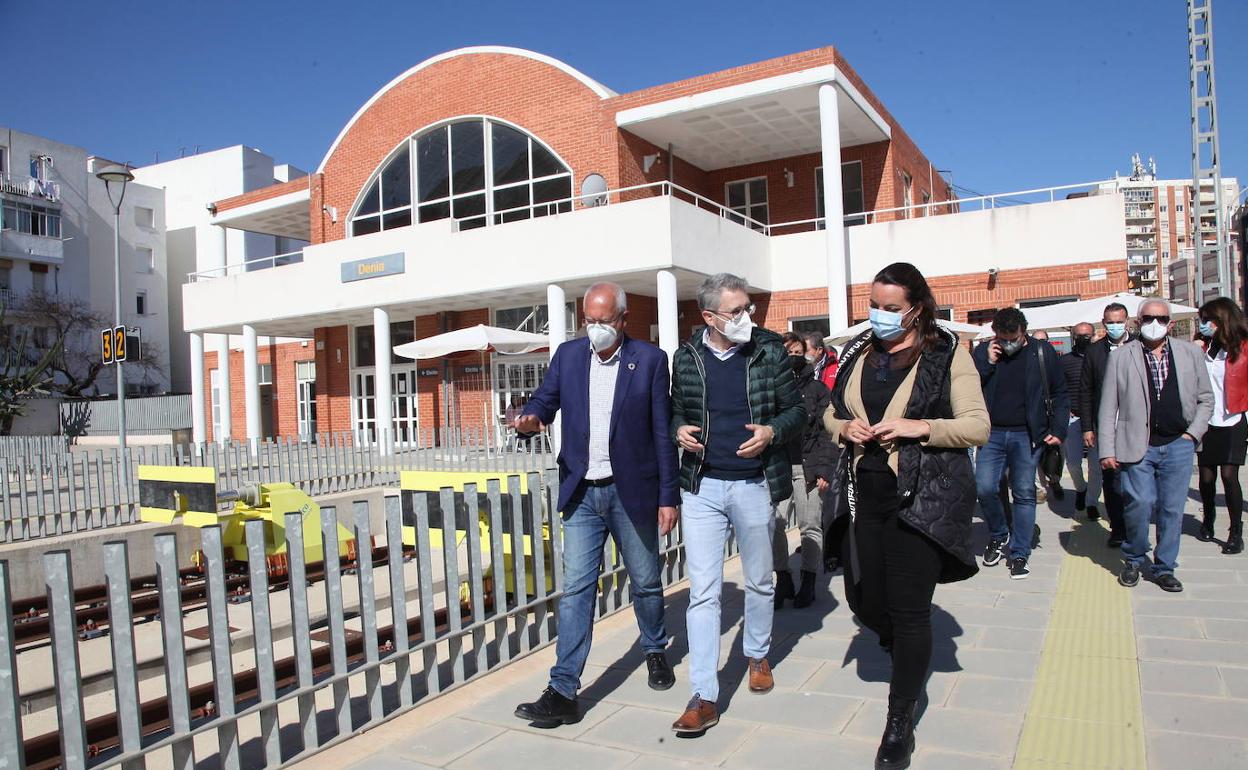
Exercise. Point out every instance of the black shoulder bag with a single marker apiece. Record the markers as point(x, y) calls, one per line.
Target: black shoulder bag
point(1052, 458)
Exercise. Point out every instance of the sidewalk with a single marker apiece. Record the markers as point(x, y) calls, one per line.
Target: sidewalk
point(1057, 671)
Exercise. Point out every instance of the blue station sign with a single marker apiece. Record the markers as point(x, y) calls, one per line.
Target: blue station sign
point(373, 267)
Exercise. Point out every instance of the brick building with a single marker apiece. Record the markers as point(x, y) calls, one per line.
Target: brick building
point(493, 185)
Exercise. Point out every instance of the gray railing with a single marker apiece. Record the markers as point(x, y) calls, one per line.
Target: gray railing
point(464, 609)
point(151, 416)
point(46, 494)
point(17, 447)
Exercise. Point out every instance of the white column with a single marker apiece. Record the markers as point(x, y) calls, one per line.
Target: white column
point(381, 346)
point(556, 309)
point(198, 432)
point(669, 334)
point(251, 385)
point(218, 253)
point(223, 374)
point(833, 207)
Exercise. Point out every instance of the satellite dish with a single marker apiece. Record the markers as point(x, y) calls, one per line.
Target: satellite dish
point(594, 191)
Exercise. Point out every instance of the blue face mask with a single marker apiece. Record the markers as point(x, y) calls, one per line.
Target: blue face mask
point(1116, 331)
point(886, 324)
point(1207, 329)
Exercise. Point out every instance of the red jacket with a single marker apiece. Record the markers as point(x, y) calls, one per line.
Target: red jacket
point(1236, 382)
point(826, 369)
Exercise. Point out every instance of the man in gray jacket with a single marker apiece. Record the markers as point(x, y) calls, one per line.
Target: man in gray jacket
point(1155, 406)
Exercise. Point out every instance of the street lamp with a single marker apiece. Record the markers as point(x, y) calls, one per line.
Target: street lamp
point(119, 176)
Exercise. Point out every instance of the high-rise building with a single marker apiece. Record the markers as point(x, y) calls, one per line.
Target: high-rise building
point(1159, 232)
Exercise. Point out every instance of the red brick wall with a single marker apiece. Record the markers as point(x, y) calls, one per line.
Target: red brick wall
point(263, 194)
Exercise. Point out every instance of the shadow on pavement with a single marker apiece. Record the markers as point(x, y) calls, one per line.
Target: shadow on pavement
point(1087, 540)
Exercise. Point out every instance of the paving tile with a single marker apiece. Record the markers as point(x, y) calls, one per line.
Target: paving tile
point(1018, 639)
point(769, 749)
point(499, 709)
point(816, 712)
point(443, 742)
point(948, 729)
point(925, 758)
point(384, 761)
point(1236, 681)
point(1203, 716)
point(1226, 630)
point(1167, 677)
point(1181, 605)
point(651, 762)
point(1170, 749)
point(1173, 628)
point(1184, 650)
point(519, 749)
point(988, 694)
point(647, 731)
point(1007, 664)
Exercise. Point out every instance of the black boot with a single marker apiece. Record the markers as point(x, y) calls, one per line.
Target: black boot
point(898, 742)
point(1206, 527)
point(1234, 541)
point(806, 591)
point(784, 587)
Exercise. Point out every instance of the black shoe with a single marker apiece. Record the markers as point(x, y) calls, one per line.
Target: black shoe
point(1130, 576)
point(898, 742)
point(1168, 583)
point(1113, 542)
point(784, 588)
point(550, 710)
point(806, 591)
point(1018, 568)
point(995, 551)
point(661, 676)
point(1035, 537)
point(1206, 529)
point(1093, 513)
point(1081, 500)
point(1234, 541)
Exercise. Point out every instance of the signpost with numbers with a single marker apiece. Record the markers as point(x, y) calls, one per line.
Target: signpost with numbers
point(113, 347)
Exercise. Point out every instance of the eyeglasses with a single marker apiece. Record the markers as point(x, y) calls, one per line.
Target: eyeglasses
point(733, 314)
point(1148, 319)
point(606, 321)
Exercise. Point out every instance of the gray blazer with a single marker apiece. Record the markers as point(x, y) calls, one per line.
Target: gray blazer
point(1126, 414)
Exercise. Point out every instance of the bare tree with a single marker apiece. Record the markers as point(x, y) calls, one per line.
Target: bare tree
point(23, 371)
point(74, 328)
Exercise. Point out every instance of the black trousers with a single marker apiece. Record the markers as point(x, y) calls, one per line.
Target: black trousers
point(899, 570)
point(1111, 487)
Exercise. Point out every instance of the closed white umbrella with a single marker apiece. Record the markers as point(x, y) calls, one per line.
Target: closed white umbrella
point(964, 331)
point(479, 338)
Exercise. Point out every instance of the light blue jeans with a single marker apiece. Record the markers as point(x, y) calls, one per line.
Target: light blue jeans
point(1157, 486)
point(745, 507)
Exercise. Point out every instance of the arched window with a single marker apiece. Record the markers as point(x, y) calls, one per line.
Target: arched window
point(476, 170)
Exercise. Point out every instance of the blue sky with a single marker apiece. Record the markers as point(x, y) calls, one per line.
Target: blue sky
point(1009, 95)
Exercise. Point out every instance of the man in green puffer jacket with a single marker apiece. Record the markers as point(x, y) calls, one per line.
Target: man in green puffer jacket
point(735, 408)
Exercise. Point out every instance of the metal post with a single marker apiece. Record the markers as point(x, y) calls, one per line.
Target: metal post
point(121, 377)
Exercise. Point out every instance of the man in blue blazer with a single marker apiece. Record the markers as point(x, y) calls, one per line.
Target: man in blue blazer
point(617, 475)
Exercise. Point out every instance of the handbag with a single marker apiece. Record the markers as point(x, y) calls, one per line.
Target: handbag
point(1051, 458)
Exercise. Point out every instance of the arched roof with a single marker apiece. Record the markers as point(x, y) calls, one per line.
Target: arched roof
point(602, 91)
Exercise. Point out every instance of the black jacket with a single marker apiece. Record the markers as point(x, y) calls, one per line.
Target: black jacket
point(814, 450)
point(1038, 424)
point(936, 484)
point(1072, 370)
point(1091, 378)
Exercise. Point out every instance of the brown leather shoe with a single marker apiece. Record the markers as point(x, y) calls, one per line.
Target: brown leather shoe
point(699, 716)
point(760, 676)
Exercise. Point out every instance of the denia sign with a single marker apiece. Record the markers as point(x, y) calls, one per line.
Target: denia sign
point(373, 267)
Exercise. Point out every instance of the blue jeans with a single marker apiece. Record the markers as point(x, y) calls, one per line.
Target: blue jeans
point(1157, 482)
point(745, 507)
point(598, 513)
point(1008, 449)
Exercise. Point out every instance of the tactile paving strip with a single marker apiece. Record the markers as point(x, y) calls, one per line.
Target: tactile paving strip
point(1085, 709)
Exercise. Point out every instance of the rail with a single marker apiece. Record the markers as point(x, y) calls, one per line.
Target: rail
point(66, 490)
point(251, 265)
point(19, 184)
point(478, 600)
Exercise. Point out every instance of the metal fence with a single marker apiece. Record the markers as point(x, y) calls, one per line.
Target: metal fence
point(51, 493)
point(19, 447)
point(353, 674)
point(149, 416)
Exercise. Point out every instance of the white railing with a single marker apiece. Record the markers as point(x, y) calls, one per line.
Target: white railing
point(264, 263)
point(18, 184)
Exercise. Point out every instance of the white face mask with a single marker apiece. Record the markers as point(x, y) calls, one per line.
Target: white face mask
point(1154, 330)
point(739, 329)
point(601, 336)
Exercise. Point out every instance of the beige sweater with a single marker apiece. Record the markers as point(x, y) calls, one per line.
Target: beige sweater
point(968, 427)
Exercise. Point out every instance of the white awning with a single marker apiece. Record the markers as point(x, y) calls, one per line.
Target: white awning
point(479, 338)
point(1067, 314)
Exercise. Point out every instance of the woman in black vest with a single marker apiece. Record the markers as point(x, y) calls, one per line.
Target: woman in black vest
point(908, 400)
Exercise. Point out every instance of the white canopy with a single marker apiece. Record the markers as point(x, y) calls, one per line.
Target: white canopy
point(486, 339)
point(1067, 314)
point(964, 331)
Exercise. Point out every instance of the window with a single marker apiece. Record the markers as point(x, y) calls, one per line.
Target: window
point(534, 319)
point(1178, 208)
point(818, 324)
point(140, 303)
point(146, 260)
point(40, 165)
point(748, 197)
point(305, 396)
point(927, 199)
point(1042, 302)
point(945, 312)
point(6, 277)
point(476, 171)
point(214, 380)
point(907, 194)
point(1165, 254)
point(265, 374)
point(4, 161)
point(401, 332)
point(144, 217)
point(852, 198)
point(1163, 208)
point(33, 220)
point(38, 278)
point(981, 316)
